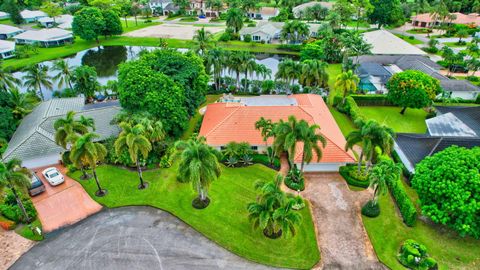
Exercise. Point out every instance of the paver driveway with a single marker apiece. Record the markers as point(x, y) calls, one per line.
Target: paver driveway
point(342, 239)
point(130, 238)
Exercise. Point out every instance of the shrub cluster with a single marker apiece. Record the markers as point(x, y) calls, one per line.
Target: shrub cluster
point(405, 205)
point(12, 211)
point(351, 109)
point(371, 100)
point(348, 172)
point(371, 209)
point(295, 179)
point(413, 255)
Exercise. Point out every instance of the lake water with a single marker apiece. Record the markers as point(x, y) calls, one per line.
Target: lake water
point(106, 59)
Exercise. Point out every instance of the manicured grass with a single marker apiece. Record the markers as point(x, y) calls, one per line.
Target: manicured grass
point(456, 45)
point(26, 232)
point(224, 221)
point(418, 31)
point(194, 121)
point(387, 232)
point(208, 25)
point(413, 121)
point(333, 71)
point(131, 26)
point(8, 22)
point(409, 40)
point(344, 122)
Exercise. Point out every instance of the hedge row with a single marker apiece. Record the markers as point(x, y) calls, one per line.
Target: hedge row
point(263, 159)
point(352, 109)
point(372, 100)
point(397, 160)
point(404, 204)
point(345, 173)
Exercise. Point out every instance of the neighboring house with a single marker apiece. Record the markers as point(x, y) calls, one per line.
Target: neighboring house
point(159, 5)
point(199, 8)
point(50, 37)
point(4, 15)
point(225, 122)
point(33, 142)
point(264, 32)
point(7, 49)
point(30, 16)
point(375, 70)
point(62, 21)
point(170, 8)
point(299, 11)
point(263, 13)
point(7, 31)
point(386, 43)
point(452, 126)
point(426, 20)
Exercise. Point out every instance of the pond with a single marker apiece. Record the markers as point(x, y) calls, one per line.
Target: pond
point(106, 59)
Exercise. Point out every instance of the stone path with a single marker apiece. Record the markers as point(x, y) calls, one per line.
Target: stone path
point(342, 239)
point(12, 246)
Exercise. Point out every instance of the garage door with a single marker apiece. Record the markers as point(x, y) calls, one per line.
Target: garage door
point(322, 167)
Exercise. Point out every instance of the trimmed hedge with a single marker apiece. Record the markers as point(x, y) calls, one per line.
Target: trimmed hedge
point(345, 173)
point(404, 204)
point(371, 209)
point(405, 172)
point(263, 159)
point(372, 100)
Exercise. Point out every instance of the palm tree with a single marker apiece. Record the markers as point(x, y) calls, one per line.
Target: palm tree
point(347, 83)
point(203, 41)
point(134, 140)
point(198, 165)
point(215, 5)
point(13, 176)
point(314, 73)
point(263, 71)
point(385, 171)
point(237, 62)
point(311, 138)
point(37, 76)
point(7, 80)
point(64, 75)
point(87, 152)
point(266, 128)
point(234, 19)
point(249, 66)
point(295, 31)
point(215, 60)
point(287, 134)
point(22, 103)
point(87, 121)
point(66, 128)
point(370, 135)
point(288, 71)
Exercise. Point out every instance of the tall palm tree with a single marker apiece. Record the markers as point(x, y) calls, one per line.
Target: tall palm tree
point(87, 152)
point(64, 75)
point(234, 19)
point(237, 62)
point(385, 171)
point(66, 127)
point(249, 66)
point(87, 121)
point(266, 128)
point(7, 80)
point(214, 5)
point(288, 71)
point(37, 76)
point(347, 83)
point(22, 103)
point(215, 59)
point(198, 165)
point(134, 140)
point(314, 73)
point(370, 135)
point(13, 176)
point(203, 41)
point(287, 135)
point(295, 31)
point(263, 71)
point(311, 138)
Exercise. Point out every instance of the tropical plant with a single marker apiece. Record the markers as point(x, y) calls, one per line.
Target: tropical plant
point(314, 73)
point(85, 151)
point(295, 31)
point(347, 82)
point(14, 176)
point(266, 127)
point(21, 103)
point(386, 170)
point(202, 41)
point(64, 75)
point(85, 81)
point(68, 129)
point(215, 59)
point(134, 140)
point(37, 76)
point(288, 71)
point(311, 138)
point(287, 134)
point(234, 19)
point(198, 165)
point(7, 80)
point(237, 62)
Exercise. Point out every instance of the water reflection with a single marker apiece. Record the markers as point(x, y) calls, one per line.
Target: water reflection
point(106, 59)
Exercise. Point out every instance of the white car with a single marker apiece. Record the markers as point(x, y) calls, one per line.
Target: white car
point(53, 176)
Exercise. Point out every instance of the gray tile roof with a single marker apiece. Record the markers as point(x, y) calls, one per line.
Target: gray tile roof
point(449, 125)
point(34, 137)
point(470, 116)
point(458, 86)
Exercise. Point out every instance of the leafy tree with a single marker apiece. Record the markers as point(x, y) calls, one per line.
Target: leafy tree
point(14, 176)
point(182, 5)
point(85, 81)
point(51, 9)
point(37, 76)
point(345, 9)
point(85, 151)
point(461, 34)
point(448, 190)
point(203, 41)
point(3, 146)
point(412, 89)
point(7, 80)
point(21, 103)
point(314, 73)
point(113, 25)
point(234, 19)
point(12, 8)
point(295, 31)
point(135, 141)
point(214, 5)
point(347, 83)
point(8, 124)
point(198, 165)
point(386, 12)
point(237, 61)
point(88, 23)
point(316, 12)
point(266, 127)
point(64, 75)
point(363, 8)
point(385, 171)
point(124, 8)
point(353, 44)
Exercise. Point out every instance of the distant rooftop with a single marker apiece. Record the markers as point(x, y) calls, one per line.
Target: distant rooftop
point(386, 43)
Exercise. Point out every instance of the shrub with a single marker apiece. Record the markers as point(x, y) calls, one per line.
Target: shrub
point(404, 204)
point(371, 209)
point(264, 159)
point(6, 224)
point(295, 180)
point(247, 38)
point(371, 100)
point(345, 172)
point(12, 211)
point(413, 255)
point(225, 37)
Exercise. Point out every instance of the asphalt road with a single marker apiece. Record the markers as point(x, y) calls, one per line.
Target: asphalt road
point(130, 238)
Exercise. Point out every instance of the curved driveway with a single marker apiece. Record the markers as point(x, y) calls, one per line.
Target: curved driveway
point(130, 238)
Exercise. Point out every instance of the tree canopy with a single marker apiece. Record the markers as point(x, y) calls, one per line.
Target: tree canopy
point(448, 187)
point(386, 12)
point(88, 23)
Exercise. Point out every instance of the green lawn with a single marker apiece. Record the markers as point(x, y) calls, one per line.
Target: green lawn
point(196, 118)
point(26, 232)
point(224, 221)
point(8, 22)
point(409, 40)
point(387, 232)
point(131, 26)
point(413, 121)
point(456, 45)
point(333, 71)
point(344, 122)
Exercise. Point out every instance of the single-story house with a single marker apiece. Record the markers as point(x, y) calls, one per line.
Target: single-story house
point(34, 140)
point(299, 11)
point(8, 31)
point(426, 20)
point(453, 125)
point(4, 15)
point(463, 89)
point(30, 16)
point(263, 32)
point(62, 21)
point(46, 22)
point(263, 13)
point(234, 120)
point(7, 49)
point(49, 37)
point(386, 43)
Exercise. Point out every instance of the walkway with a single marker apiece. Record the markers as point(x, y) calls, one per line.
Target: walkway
point(342, 239)
point(12, 247)
point(130, 238)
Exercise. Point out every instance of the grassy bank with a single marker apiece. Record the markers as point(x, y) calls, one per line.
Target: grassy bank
point(412, 41)
point(224, 221)
point(413, 121)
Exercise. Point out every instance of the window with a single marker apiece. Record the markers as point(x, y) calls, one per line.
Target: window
point(256, 38)
point(254, 148)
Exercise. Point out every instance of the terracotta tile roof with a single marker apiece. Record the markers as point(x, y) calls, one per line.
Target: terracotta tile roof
point(460, 18)
point(226, 122)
